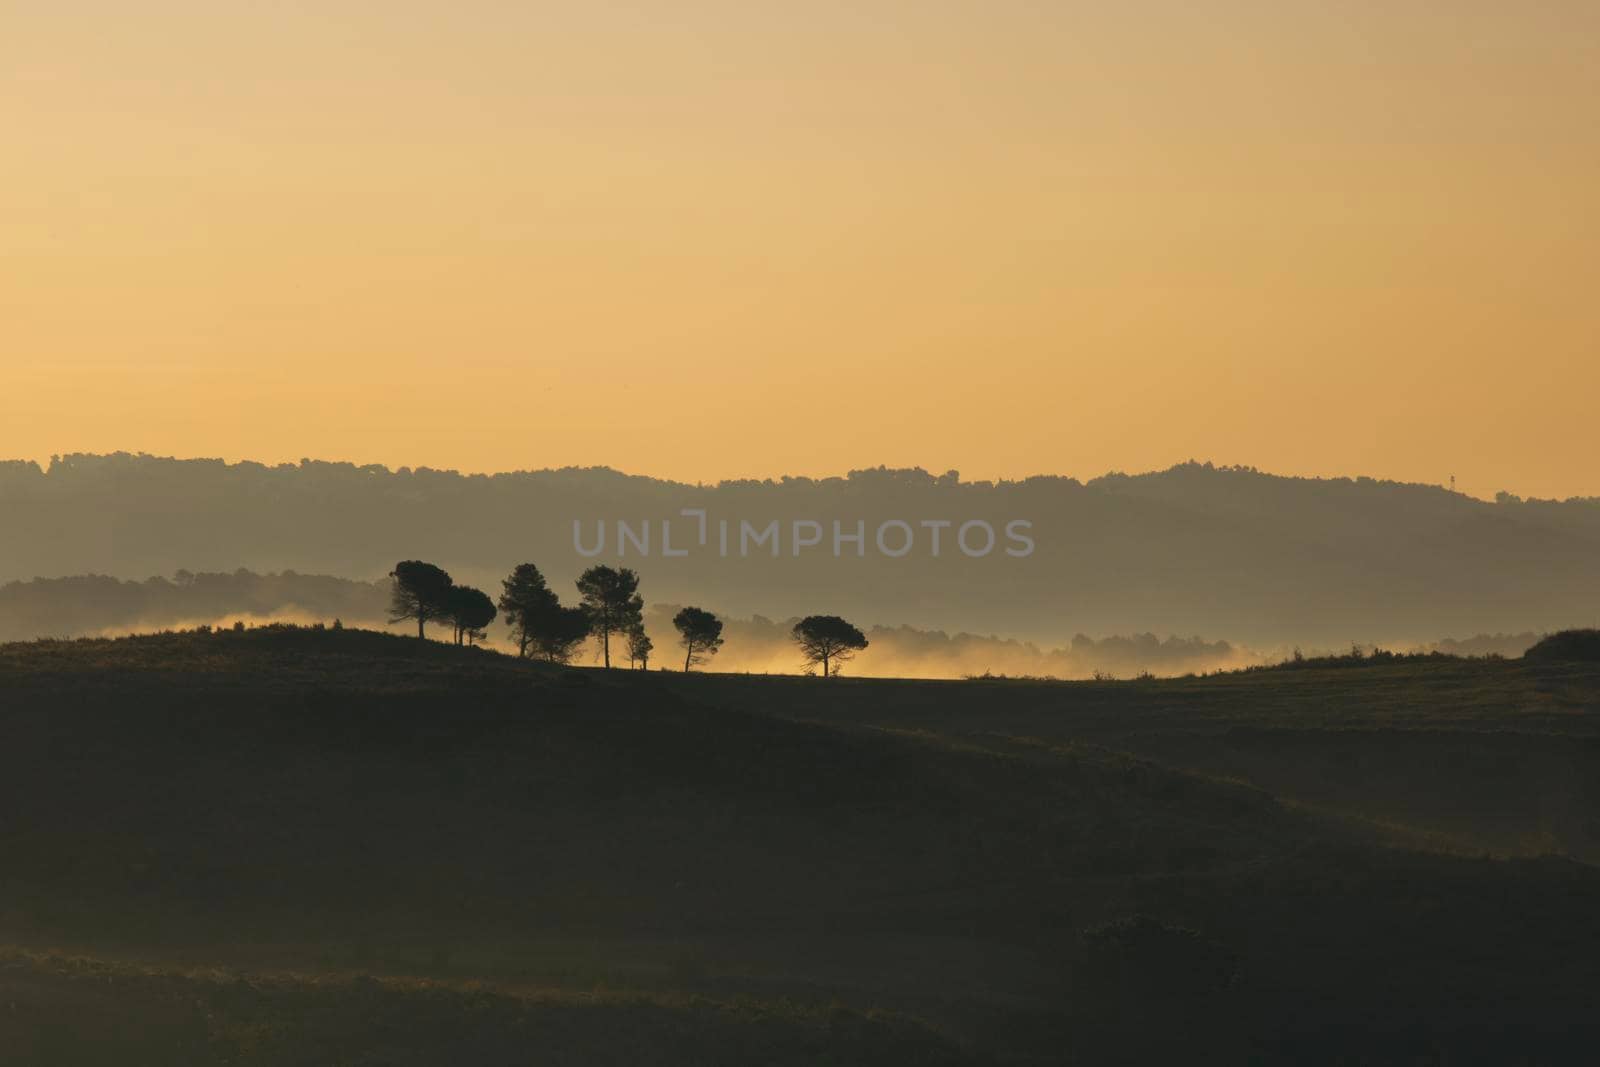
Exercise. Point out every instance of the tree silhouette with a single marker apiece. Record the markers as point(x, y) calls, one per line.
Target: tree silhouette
point(701, 632)
point(611, 597)
point(527, 603)
point(421, 592)
point(543, 628)
point(471, 610)
point(639, 646)
point(828, 640)
point(558, 633)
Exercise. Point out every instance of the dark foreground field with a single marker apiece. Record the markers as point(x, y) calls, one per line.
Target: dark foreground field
point(336, 847)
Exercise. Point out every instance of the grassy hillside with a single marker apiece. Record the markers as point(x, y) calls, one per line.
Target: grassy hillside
point(1012, 872)
point(177, 1018)
point(1493, 755)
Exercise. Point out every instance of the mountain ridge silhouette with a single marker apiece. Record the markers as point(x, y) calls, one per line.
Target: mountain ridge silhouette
point(1195, 548)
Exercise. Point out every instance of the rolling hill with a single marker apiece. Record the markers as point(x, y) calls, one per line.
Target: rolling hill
point(982, 871)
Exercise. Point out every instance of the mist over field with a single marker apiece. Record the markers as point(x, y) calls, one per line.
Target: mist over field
point(1262, 562)
point(100, 606)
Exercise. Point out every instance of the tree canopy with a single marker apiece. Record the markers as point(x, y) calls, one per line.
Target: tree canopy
point(827, 640)
point(541, 626)
point(639, 646)
point(611, 597)
point(526, 602)
point(701, 634)
point(471, 611)
point(421, 592)
point(559, 633)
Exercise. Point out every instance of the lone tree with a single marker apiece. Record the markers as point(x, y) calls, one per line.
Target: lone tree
point(701, 632)
point(527, 603)
point(558, 633)
point(611, 597)
point(639, 646)
point(828, 640)
point(421, 592)
point(472, 611)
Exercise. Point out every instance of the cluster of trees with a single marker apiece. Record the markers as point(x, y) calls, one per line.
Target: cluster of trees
point(425, 593)
point(541, 625)
point(609, 605)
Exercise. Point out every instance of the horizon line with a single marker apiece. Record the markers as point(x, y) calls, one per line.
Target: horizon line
point(56, 458)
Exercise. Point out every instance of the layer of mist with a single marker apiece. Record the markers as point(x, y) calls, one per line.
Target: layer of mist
point(99, 606)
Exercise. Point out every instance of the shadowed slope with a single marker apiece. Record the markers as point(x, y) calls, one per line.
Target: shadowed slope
point(338, 800)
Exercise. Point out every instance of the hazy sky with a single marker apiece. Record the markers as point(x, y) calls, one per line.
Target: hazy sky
point(705, 239)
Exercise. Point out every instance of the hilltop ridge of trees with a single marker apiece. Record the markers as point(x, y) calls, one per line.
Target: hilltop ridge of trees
point(88, 605)
point(79, 469)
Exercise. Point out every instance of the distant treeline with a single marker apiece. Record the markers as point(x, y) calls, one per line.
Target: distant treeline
point(95, 604)
point(1509, 646)
point(1265, 560)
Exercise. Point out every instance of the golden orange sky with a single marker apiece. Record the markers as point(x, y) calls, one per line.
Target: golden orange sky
point(712, 239)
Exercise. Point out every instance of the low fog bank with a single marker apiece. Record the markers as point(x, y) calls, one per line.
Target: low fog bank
point(98, 606)
point(761, 645)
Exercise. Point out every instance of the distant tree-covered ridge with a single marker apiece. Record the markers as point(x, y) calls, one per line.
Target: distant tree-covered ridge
point(93, 604)
point(1196, 548)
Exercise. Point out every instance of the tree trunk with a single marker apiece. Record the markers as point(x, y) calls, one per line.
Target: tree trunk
point(688, 654)
point(824, 666)
point(420, 634)
point(605, 646)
